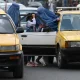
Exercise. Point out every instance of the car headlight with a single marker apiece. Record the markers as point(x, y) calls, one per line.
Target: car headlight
point(9, 48)
point(73, 44)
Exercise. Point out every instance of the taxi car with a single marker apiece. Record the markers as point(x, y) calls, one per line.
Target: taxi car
point(68, 37)
point(11, 54)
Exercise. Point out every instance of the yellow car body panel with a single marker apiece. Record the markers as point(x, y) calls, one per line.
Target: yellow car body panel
point(9, 39)
point(71, 35)
point(2, 12)
point(63, 36)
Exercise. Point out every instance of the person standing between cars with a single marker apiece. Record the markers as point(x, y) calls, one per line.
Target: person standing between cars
point(49, 19)
point(38, 60)
point(31, 22)
point(14, 12)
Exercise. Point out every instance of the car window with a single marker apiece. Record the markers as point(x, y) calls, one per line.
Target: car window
point(41, 25)
point(5, 25)
point(70, 22)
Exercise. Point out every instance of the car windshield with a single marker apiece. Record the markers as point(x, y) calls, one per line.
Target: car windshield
point(5, 25)
point(70, 22)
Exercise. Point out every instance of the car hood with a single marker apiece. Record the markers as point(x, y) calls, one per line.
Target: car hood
point(71, 35)
point(8, 39)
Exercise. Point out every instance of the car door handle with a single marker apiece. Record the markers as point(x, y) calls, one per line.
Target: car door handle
point(23, 35)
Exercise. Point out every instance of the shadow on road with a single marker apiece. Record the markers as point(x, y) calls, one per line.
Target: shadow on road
point(6, 75)
point(70, 66)
point(73, 66)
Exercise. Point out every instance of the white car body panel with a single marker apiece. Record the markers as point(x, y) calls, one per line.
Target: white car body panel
point(38, 38)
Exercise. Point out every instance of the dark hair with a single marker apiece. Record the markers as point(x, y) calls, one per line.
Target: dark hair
point(29, 17)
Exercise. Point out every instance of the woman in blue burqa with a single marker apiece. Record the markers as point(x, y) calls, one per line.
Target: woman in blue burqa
point(14, 12)
point(48, 17)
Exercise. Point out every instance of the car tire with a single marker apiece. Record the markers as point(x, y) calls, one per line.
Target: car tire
point(18, 70)
point(61, 62)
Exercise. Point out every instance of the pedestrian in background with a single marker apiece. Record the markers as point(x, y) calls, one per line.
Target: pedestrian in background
point(14, 12)
point(30, 61)
point(51, 6)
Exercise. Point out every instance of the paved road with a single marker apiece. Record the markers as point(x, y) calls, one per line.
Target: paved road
point(47, 73)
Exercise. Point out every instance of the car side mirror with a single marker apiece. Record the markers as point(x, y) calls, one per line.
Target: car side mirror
point(19, 30)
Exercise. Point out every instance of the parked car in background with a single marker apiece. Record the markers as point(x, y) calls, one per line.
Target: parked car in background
point(7, 5)
point(23, 10)
point(2, 1)
point(34, 4)
point(9, 1)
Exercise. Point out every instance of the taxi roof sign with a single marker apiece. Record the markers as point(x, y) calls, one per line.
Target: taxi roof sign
point(67, 8)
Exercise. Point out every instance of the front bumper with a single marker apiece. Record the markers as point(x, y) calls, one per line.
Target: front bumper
point(5, 60)
point(71, 54)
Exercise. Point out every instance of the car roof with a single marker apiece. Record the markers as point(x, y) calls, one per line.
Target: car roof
point(69, 12)
point(39, 3)
point(34, 4)
point(30, 8)
point(2, 12)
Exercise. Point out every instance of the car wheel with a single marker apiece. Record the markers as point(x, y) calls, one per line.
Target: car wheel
point(61, 62)
point(18, 70)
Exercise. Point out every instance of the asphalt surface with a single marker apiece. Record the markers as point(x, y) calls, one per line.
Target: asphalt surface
point(51, 72)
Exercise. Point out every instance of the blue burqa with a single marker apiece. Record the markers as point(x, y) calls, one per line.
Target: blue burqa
point(48, 17)
point(14, 12)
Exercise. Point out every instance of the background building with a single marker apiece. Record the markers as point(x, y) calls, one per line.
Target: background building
point(58, 3)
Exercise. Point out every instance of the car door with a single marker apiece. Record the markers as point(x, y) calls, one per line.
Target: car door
point(37, 38)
